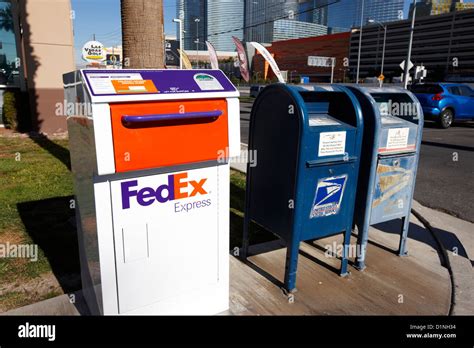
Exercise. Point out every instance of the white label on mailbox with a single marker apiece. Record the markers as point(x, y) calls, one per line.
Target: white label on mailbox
point(332, 143)
point(322, 120)
point(397, 138)
point(101, 83)
point(207, 82)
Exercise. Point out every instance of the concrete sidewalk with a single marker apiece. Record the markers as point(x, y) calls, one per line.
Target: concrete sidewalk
point(435, 279)
point(455, 240)
point(391, 285)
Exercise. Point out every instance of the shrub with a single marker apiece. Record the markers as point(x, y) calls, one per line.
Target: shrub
point(16, 111)
point(10, 113)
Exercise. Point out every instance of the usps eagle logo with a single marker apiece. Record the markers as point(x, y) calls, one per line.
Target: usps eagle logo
point(328, 197)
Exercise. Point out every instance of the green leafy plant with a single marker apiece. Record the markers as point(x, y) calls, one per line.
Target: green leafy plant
point(10, 112)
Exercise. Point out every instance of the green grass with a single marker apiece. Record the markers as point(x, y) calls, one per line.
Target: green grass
point(35, 191)
point(246, 99)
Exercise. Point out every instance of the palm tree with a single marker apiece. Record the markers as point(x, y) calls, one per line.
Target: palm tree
point(6, 19)
point(142, 33)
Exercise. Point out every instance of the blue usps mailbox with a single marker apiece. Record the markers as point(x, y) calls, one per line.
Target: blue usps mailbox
point(393, 121)
point(308, 142)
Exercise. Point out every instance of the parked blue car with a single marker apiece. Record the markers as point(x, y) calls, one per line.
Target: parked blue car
point(445, 102)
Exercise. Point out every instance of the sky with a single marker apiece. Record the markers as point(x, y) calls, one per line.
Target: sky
point(102, 18)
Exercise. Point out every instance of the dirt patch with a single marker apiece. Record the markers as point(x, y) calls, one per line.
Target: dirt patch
point(18, 294)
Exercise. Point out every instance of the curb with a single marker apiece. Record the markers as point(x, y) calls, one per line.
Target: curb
point(460, 271)
point(444, 253)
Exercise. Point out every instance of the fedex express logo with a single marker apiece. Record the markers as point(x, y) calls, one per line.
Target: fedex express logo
point(178, 187)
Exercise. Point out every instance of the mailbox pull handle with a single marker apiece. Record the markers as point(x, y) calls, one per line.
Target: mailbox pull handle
point(333, 161)
point(170, 117)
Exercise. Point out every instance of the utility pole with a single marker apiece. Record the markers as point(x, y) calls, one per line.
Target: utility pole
point(197, 20)
point(384, 42)
point(360, 41)
point(408, 60)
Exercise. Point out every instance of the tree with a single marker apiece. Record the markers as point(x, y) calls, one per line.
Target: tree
point(6, 19)
point(142, 33)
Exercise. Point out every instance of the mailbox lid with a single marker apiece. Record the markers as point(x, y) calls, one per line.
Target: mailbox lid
point(397, 137)
point(329, 138)
point(168, 141)
point(399, 115)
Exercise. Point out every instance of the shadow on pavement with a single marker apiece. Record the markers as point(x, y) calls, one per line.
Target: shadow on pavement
point(51, 225)
point(54, 149)
point(449, 240)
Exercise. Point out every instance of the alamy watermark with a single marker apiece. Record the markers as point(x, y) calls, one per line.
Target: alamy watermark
point(246, 156)
point(71, 109)
point(336, 250)
point(391, 108)
point(24, 251)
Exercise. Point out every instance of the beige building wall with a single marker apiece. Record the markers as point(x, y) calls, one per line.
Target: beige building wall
point(47, 52)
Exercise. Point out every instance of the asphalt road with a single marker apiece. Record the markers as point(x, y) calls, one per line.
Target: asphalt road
point(445, 179)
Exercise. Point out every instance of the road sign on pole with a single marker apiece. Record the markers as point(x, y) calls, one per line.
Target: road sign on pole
point(420, 72)
point(410, 65)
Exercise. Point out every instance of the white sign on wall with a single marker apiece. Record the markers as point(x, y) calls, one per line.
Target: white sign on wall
point(325, 62)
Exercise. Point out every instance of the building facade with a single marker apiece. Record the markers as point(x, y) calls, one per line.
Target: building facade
point(225, 19)
point(35, 60)
point(193, 13)
point(442, 43)
point(284, 29)
point(292, 56)
point(346, 14)
point(435, 7)
point(260, 15)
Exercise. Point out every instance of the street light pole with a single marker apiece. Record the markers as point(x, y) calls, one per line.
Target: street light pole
point(384, 42)
point(180, 22)
point(360, 41)
point(407, 61)
point(197, 20)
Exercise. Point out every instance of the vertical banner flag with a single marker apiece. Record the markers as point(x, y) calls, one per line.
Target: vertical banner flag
point(268, 57)
point(186, 62)
point(265, 74)
point(212, 55)
point(244, 66)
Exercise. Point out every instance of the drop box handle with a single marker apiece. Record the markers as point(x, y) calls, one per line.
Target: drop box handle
point(170, 117)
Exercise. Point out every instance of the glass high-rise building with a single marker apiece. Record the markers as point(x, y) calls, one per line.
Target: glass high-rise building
point(225, 19)
point(213, 20)
point(261, 14)
point(284, 29)
point(347, 13)
point(188, 11)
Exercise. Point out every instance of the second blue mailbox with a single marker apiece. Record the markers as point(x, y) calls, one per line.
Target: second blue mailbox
point(303, 186)
point(393, 121)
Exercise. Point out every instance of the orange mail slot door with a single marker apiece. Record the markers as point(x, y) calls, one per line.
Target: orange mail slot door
point(157, 134)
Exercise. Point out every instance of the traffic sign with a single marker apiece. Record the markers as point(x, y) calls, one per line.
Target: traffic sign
point(410, 65)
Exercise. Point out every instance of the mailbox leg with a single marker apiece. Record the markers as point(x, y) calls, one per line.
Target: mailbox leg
point(345, 253)
point(245, 238)
point(362, 240)
point(402, 249)
point(291, 265)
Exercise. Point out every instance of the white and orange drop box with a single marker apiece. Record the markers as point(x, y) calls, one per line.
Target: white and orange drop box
point(150, 156)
